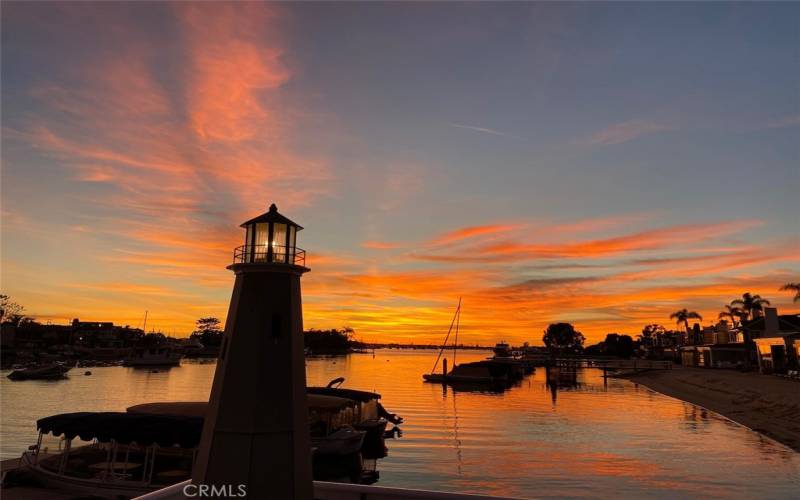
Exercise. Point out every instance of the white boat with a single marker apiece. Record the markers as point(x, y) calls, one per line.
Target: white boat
point(153, 356)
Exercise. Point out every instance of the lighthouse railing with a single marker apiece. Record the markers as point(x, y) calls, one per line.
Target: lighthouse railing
point(277, 254)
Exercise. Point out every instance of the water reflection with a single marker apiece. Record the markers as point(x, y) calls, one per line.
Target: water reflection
point(560, 378)
point(456, 440)
point(548, 436)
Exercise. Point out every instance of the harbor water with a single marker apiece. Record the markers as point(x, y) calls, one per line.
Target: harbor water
point(586, 439)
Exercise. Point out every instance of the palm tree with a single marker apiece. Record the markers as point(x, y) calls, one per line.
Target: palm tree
point(793, 287)
point(753, 305)
point(683, 316)
point(732, 312)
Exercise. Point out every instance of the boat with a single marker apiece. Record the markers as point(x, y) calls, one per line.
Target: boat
point(502, 350)
point(154, 356)
point(341, 443)
point(490, 372)
point(477, 372)
point(112, 454)
point(338, 455)
point(519, 366)
point(153, 445)
point(48, 372)
point(330, 409)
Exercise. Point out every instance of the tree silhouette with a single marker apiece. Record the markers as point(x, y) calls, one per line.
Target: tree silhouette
point(208, 332)
point(732, 312)
point(792, 287)
point(10, 311)
point(753, 305)
point(618, 345)
point(562, 337)
point(683, 316)
point(652, 335)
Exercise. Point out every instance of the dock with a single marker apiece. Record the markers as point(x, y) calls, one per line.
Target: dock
point(342, 491)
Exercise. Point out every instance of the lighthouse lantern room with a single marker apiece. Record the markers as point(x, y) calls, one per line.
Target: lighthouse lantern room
point(270, 237)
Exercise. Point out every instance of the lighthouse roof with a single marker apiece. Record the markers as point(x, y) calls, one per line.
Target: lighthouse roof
point(272, 216)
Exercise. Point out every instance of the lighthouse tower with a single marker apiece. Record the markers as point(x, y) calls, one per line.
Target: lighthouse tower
point(256, 427)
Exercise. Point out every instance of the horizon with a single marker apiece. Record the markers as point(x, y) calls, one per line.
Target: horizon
point(598, 164)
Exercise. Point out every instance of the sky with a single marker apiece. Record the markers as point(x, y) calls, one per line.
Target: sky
point(600, 164)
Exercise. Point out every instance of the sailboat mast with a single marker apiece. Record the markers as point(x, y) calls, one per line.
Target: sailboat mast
point(458, 320)
point(144, 325)
point(449, 331)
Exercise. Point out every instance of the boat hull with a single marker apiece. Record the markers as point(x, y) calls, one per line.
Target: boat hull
point(150, 363)
point(92, 487)
point(55, 372)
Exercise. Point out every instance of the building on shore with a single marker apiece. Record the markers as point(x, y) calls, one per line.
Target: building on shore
point(720, 347)
point(727, 355)
point(30, 341)
point(777, 339)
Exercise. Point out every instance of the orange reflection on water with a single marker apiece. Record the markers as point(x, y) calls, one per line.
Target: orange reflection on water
point(596, 440)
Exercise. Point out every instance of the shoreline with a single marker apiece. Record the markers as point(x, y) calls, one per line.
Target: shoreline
point(765, 404)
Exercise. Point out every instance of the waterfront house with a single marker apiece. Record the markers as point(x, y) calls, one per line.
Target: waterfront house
point(720, 349)
point(777, 339)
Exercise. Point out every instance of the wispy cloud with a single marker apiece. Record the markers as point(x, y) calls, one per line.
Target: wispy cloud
point(786, 121)
point(470, 232)
point(626, 131)
point(147, 149)
point(380, 245)
point(479, 129)
point(161, 138)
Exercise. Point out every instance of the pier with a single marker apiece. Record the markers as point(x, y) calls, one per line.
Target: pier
point(631, 366)
point(612, 364)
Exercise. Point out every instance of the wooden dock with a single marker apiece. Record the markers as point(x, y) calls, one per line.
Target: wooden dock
point(610, 366)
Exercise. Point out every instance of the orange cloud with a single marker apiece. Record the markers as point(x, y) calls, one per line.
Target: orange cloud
point(505, 251)
point(472, 232)
point(380, 245)
point(231, 68)
point(167, 161)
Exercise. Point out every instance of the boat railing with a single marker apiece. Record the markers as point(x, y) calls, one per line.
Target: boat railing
point(324, 490)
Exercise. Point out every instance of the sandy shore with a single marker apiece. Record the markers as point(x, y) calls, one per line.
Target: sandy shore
point(765, 403)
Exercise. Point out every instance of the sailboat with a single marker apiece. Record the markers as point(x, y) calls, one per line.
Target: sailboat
point(477, 372)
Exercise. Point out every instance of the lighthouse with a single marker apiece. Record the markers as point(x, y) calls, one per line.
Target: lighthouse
point(256, 428)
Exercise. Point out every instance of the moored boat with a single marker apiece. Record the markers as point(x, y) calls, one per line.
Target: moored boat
point(500, 370)
point(329, 408)
point(502, 350)
point(113, 454)
point(155, 356)
point(338, 455)
point(48, 372)
point(477, 372)
point(519, 367)
point(150, 446)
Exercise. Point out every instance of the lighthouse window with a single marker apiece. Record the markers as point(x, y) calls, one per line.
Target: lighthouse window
point(262, 235)
point(279, 243)
point(249, 242)
point(290, 249)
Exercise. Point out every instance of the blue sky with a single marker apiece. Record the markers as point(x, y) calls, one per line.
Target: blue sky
point(391, 132)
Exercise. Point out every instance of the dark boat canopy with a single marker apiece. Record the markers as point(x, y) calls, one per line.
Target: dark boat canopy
point(126, 428)
point(360, 396)
point(316, 402)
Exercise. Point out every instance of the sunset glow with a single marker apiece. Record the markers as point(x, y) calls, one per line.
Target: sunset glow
point(542, 161)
